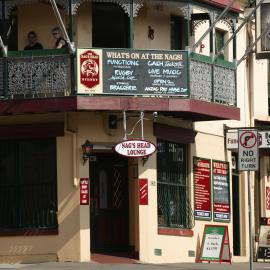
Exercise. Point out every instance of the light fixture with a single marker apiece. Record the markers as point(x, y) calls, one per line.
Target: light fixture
point(87, 150)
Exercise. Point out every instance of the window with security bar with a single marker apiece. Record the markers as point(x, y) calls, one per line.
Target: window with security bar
point(174, 209)
point(28, 184)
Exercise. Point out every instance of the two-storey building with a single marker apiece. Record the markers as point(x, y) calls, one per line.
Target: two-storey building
point(139, 70)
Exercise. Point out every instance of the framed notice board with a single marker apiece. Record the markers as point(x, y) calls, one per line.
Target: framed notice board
point(202, 188)
point(264, 240)
point(221, 191)
point(215, 245)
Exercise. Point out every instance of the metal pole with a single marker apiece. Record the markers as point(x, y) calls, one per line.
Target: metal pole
point(142, 127)
point(62, 26)
point(125, 125)
point(131, 21)
point(250, 224)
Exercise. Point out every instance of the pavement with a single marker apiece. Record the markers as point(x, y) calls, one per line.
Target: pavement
point(134, 266)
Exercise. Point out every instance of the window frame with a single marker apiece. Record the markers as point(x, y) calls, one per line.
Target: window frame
point(186, 220)
point(43, 219)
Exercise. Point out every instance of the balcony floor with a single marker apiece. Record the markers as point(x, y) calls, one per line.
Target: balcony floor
point(186, 109)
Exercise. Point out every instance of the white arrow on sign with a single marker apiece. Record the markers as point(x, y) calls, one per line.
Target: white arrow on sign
point(232, 139)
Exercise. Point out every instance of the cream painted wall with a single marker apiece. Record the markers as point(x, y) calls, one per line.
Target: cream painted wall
point(159, 21)
point(84, 26)
point(65, 245)
point(39, 18)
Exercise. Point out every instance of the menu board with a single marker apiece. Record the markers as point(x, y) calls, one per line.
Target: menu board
point(221, 191)
point(202, 188)
point(215, 244)
point(132, 72)
point(264, 240)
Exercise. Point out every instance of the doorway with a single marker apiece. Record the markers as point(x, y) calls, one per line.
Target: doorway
point(109, 205)
point(236, 207)
point(110, 26)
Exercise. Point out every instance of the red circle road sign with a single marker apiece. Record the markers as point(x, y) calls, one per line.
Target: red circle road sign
point(248, 139)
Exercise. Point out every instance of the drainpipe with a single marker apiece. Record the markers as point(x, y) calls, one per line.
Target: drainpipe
point(73, 134)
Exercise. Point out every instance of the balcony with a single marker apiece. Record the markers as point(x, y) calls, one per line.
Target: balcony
point(42, 81)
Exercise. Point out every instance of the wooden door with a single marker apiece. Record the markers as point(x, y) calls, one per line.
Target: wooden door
point(109, 203)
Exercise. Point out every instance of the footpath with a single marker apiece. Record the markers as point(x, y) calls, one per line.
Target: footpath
point(133, 266)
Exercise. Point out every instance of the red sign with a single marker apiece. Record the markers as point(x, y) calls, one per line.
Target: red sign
point(135, 148)
point(202, 188)
point(89, 65)
point(84, 191)
point(267, 197)
point(143, 189)
point(221, 191)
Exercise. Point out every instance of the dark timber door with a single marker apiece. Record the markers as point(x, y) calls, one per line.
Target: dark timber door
point(109, 203)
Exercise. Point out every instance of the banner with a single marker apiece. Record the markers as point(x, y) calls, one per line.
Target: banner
point(202, 188)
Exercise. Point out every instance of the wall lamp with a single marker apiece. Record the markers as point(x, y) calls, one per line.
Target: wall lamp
point(87, 150)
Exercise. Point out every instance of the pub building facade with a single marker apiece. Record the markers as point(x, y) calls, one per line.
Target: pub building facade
point(134, 70)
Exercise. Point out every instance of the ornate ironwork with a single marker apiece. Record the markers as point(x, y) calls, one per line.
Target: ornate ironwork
point(200, 80)
point(9, 5)
point(224, 86)
point(38, 76)
point(117, 189)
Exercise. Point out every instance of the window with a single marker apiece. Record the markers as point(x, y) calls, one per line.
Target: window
point(110, 26)
point(28, 184)
point(220, 41)
point(176, 33)
point(173, 205)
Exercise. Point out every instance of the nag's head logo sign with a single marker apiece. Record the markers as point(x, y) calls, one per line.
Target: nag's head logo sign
point(90, 72)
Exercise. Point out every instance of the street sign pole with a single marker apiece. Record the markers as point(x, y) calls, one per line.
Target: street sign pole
point(250, 224)
point(248, 161)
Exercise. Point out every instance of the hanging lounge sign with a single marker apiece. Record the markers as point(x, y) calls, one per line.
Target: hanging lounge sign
point(132, 72)
point(135, 148)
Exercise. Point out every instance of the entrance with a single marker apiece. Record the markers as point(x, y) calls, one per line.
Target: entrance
point(109, 220)
point(236, 209)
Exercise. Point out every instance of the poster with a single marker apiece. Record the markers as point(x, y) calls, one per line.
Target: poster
point(202, 188)
point(221, 191)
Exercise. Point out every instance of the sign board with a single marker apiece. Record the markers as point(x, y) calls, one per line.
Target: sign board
point(215, 245)
point(264, 240)
point(84, 191)
point(267, 198)
point(135, 148)
point(143, 189)
point(202, 188)
point(221, 191)
point(248, 150)
point(132, 72)
point(232, 139)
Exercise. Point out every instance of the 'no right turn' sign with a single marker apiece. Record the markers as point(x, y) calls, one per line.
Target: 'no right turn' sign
point(248, 150)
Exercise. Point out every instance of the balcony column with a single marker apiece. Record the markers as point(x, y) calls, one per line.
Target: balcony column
point(131, 22)
point(187, 10)
point(4, 37)
point(234, 39)
point(71, 37)
point(212, 17)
